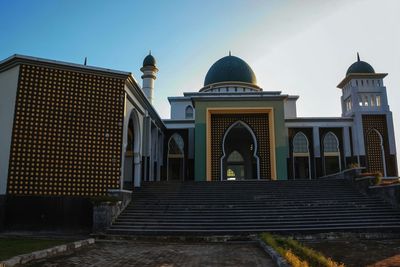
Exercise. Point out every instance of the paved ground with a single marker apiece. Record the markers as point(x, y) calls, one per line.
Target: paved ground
point(164, 255)
point(357, 252)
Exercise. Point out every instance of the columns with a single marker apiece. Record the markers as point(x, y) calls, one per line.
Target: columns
point(137, 170)
point(316, 142)
point(346, 142)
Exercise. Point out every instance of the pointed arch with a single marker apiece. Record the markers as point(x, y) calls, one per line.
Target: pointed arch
point(189, 112)
point(176, 157)
point(331, 153)
point(132, 160)
point(375, 152)
point(301, 156)
point(253, 148)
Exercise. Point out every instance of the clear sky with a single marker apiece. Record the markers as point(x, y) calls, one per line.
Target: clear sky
point(297, 47)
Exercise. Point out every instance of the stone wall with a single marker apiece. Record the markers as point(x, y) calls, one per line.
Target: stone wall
point(106, 212)
point(389, 193)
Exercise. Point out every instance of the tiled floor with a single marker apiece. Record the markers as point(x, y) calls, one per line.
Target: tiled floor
point(164, 254)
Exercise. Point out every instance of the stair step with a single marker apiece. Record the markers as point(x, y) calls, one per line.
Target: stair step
point(252, 206)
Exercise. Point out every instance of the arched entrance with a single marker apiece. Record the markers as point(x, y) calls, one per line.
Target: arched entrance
point(239, 160)
point(301, 157)
point(176, 158)
point(332, 162)
point(132, 158)
point(375, 152)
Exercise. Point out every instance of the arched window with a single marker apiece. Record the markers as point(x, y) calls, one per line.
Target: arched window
point(189, 112)
point(331, 148)
point(300, 143)
point(301, 157)
point(235, 156)
point(331, 144)
point(176, 145)
point(235, 166)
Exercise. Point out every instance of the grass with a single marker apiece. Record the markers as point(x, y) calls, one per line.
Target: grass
point(297, 254)
point(10, 247)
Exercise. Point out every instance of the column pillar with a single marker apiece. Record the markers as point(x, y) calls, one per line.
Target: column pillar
point(137, 173)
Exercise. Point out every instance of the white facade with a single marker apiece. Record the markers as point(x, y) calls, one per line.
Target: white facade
point(8, 93)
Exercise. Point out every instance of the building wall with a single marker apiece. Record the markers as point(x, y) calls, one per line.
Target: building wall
point(8, 93)
point(290, 107)
point(178, 108)
point(67, 133)
point(281, 145)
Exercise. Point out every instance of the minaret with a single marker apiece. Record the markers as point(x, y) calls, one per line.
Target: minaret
point(149, 70)
point(364, 99)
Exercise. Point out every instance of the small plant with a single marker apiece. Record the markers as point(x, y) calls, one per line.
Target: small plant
point(353, 165)
point(98, 200)
point(377, 178)
point(296, 253)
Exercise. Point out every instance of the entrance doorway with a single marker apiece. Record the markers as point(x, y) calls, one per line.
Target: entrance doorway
point(239, 160)
point(301, 157)
point(176, 158)
point(332, 162)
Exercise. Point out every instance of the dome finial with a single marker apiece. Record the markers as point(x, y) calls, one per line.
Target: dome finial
point(358, 56)
point(150, 52)
point(230, 53)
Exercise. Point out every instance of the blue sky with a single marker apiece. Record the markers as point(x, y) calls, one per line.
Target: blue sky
point(298, 47)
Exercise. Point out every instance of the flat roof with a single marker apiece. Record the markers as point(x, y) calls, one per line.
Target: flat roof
point(17, 58)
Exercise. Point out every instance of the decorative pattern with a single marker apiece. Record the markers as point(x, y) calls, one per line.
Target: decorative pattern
point(300, 143)
point(259, 123)
point(374, 149)
point(375, 125)
point(67, 133)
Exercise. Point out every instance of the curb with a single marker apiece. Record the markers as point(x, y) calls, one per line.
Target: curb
point(280, 262)
point(46, 253)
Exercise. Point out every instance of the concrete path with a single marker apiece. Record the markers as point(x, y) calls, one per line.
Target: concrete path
point(127, 253)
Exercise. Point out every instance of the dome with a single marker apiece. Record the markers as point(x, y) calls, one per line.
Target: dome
point(360, 67)
point(230, 69)
point(149, 60)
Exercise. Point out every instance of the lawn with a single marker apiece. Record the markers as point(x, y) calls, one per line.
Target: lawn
point(10, 247)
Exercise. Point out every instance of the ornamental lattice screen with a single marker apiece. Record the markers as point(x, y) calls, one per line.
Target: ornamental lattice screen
point(259, 123)
point(371, 124)
point(67, 133)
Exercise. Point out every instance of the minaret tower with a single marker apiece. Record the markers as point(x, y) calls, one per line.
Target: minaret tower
point(364, 99)
point(149, 70)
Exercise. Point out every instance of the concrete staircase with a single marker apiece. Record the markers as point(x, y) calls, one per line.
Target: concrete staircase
point(166, 208)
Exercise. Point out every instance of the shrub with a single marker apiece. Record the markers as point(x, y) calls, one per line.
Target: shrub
point(296, 253)
point(378, 178)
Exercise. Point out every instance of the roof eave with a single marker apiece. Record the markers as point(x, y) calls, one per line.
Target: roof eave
point(360, 75)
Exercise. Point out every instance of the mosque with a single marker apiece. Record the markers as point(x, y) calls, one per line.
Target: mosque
point(72, 131)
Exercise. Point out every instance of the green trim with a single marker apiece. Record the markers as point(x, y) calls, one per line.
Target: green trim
point(281, 140)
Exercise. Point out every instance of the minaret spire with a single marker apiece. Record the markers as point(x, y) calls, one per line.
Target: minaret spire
point(149, 70)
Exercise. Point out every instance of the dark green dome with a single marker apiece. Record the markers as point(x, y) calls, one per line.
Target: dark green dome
point(230, 69)
point(360, 67)
point(149, 60)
